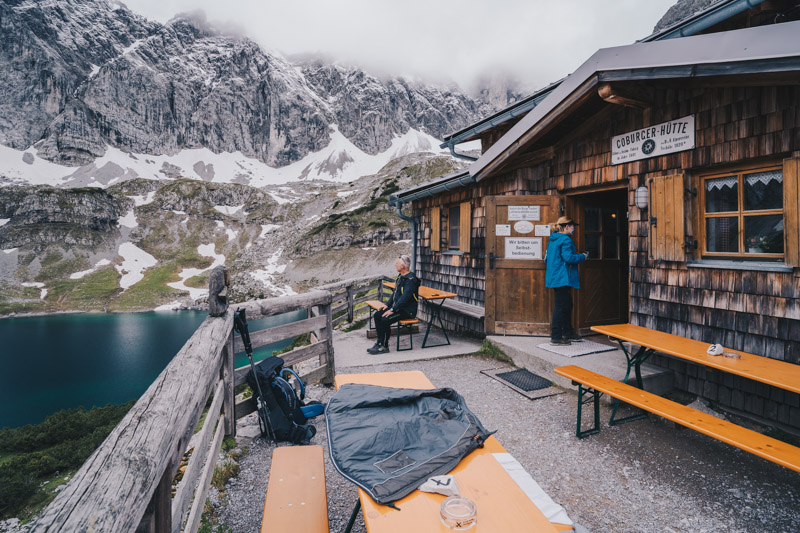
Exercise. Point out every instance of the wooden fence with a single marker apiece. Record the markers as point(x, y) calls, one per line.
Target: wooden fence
point(126, 484)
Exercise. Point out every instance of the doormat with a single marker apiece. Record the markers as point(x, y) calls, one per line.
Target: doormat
point(576, 348)
point(524, 382)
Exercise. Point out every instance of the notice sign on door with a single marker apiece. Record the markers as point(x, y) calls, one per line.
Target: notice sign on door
point(523, 247)
point(524, 212)
point(666, 138)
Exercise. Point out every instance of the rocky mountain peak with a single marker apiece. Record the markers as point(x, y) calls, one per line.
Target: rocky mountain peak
point(86, 75)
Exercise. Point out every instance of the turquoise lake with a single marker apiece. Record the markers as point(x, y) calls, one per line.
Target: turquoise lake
point(57, 362)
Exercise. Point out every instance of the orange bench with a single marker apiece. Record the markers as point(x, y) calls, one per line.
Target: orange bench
point(745, 439)
point(296, 497)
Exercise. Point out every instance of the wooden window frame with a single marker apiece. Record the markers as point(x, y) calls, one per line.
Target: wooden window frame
point(739, 171)
point(436, 229)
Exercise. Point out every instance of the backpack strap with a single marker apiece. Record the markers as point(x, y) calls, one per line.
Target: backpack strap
point(302, 387)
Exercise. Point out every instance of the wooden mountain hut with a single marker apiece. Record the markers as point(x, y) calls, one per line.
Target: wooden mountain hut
point(680, 159)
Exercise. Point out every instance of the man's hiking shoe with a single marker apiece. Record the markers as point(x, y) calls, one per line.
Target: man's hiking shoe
point(560, 342)
point(573, 337)
point(378, 349)
point(374, 347)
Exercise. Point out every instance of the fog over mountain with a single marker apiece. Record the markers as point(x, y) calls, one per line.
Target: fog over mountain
point(85, 78)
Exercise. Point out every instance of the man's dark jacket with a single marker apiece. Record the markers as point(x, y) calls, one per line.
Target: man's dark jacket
point(405, 295)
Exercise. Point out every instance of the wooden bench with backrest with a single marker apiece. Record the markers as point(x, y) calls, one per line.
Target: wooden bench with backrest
point(750, 441)
point(296, 496)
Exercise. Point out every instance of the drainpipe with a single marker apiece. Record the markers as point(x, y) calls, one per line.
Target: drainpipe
point(397, 203)
point(456, 154)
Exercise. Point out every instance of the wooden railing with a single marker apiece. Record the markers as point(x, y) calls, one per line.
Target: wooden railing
point(348, 296)
point(126, 484)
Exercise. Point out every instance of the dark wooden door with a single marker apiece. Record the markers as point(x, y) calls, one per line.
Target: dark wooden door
point(603, 232)
point(517, 230)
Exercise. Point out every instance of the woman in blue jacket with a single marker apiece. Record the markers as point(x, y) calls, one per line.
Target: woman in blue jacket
point(402, 304)
point(562, 261)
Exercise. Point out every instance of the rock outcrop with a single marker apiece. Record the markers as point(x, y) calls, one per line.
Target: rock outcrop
point(81, 75)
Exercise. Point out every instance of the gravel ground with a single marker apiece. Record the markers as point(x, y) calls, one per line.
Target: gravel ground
point(642, 476)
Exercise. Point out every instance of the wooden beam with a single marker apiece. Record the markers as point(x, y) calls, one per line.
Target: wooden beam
point(639, 97)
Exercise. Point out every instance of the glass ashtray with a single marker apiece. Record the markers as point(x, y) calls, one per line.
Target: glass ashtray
point(458, 513)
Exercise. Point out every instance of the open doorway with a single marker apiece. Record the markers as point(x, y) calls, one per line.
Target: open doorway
point(603, 232)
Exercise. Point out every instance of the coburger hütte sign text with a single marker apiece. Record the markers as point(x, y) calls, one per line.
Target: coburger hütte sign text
point(666, 138)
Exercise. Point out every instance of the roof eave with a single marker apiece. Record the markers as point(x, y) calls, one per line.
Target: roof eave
point(742, 47)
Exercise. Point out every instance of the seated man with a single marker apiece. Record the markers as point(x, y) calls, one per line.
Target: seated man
point(401, 305)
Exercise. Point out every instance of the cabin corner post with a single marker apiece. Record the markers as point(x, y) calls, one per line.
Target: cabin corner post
point(228, 377)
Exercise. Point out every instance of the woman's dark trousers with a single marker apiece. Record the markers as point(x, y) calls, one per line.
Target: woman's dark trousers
point(561, 326)
point(384, 325)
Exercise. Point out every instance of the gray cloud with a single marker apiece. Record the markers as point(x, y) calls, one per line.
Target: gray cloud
point(533, 41)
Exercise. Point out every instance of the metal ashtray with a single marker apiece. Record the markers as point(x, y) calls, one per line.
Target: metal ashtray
point(458, 513)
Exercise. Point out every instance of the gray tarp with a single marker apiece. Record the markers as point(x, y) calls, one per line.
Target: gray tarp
point(389, 441)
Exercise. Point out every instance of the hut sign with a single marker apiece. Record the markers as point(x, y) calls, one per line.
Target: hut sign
point(523, 212)
point(523, 248)
point(666, 138)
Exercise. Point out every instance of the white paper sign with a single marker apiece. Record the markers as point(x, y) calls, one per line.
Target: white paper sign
point(542, 230)
point(523, 226)
point(673, 136)
point(502, 230)
point(523, 248)
point(524, 212)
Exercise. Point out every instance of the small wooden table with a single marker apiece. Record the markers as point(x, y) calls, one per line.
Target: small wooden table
point(502, 505)
point(431, 296)
point(756, 367)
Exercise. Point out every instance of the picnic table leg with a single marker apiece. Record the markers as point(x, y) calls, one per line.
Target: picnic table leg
point(634, 361)
point(593, 396)
point(435, 314)
point(353, 516)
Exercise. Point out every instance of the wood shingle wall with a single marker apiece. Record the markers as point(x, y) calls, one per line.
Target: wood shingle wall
point(751, 310)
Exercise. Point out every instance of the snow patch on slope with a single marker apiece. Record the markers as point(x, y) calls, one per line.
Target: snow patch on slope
point(134, 262)
point(82, 273)
point(267, 275)
point(340, 161)
point(206, 250)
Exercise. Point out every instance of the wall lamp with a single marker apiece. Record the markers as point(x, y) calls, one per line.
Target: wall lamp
point(642, 197)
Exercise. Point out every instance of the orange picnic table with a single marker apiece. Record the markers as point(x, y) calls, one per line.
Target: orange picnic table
point(502, 504)
point(435, 300)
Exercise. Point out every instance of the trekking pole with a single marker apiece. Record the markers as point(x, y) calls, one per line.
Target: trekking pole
point(240, 325)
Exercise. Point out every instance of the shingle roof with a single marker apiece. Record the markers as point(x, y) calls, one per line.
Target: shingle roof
point(760, 49)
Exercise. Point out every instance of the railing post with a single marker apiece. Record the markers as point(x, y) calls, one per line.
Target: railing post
point(380, 289)
point(350, 293)
point(228, 401)
point(329, 359)
point(158, 515)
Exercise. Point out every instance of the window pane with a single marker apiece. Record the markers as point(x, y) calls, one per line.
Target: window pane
point(763, 190)
point(722, 234)
point(764, 234)
point(610, 220)
point(593, 246)
point(454, 221)
point(610, 247)
point(722, 194)
point(592, 219)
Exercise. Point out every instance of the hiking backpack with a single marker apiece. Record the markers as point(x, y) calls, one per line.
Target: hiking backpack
point(282, 416)
point(287, 413)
